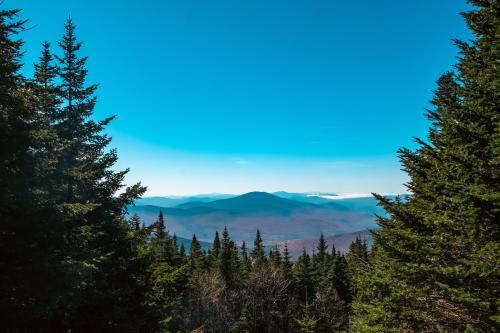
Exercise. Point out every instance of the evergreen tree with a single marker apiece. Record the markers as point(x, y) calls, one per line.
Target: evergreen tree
point(246, 263)
point(258, 255)
point(97, 248)
point(182, 251)
point(135, 223)
point(437, 253)
point(216, 246)
point(160, 229)
point(320, 259)
point(196, 257)
point(307, 323)
point(322, 248)
point(275, 256)
point(303, 277)
point(227, 266)
point(358, 261)
point(46, 105)
point(27, 241)
point(163, 246)
point(15, 117)
point(338, 276)
point(174, 241)
point(286, 264)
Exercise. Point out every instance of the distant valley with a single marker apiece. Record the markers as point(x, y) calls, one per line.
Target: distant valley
point(298, 218)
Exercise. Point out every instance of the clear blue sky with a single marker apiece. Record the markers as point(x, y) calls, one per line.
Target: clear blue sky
point(233, 96)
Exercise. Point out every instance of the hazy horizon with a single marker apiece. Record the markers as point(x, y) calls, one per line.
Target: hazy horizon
point(327, 194)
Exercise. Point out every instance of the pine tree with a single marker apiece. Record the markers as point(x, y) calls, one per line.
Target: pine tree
point(227, 266)
point(322, 248)
point(437, 253)
point(160, 229)
point(338, 276)
point(213, 257)
point(320, 259)
point(303, 277)
point(275, 256)
point(286, 264)
point(358, 261)
point(46, 105)
point(174, 241)
point(27, 241)
point(163, 246)
point(246, 263)
point(195, 258)
point(216, 246)
point(97, 250)
point(135, 223)
point(182, 251)
point(15, 115)
point(307, 323)
point(258, 255)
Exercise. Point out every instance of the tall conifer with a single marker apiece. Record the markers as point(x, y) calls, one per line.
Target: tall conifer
point(437, 253)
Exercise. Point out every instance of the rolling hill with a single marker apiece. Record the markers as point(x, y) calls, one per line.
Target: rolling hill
point(253, 203)
point(277, 218)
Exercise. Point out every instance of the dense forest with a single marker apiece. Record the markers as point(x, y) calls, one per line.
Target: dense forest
point(73, 260)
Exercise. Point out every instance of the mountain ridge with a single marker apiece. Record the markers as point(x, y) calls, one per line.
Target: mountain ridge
point(277, 218)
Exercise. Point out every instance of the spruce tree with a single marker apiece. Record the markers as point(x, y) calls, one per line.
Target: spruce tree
point(307, 323)
point(227, 266)
point(303, 277)
point(286, 264)
point(437, 253)
point(27, 241)
point(358, 261)
point(163, 246)
point(322, 248)
point(320, 259)
point(182, 251)
point(195, 258)
point(338, 277)
point(216, 246)
point(97, 250)
point(258, 255)
point(275, 256)
point(160, 229)
point(246, 263)
point(15, 115)
point(46, 105)
point(213, 256)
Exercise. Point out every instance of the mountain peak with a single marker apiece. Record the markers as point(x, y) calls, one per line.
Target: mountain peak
point(258, 194)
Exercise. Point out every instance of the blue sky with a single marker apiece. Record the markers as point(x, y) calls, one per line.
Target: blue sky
point(233, 96)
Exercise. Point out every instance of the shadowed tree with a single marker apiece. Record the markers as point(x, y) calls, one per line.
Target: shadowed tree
point(436, 257)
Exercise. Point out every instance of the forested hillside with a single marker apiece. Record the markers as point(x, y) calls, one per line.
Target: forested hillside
point(73, 260)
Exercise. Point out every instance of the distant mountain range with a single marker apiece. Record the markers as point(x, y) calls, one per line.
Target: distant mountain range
point(172, 201)
point(280, 216)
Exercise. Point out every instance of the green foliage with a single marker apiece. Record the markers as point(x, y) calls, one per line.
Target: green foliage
point(167, 286)
point(258, 255)
point(436, 256)
point(307, 323)
point(196, 260)
point(286, 264)
point(72, 260)
point(246, 263)
point(304, 277)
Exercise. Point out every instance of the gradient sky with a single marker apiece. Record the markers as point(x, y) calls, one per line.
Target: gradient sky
point(232, 96)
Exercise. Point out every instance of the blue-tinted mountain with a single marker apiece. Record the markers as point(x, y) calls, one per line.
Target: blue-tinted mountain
point(253, 203)
point(277, 218)
point(172, 201)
